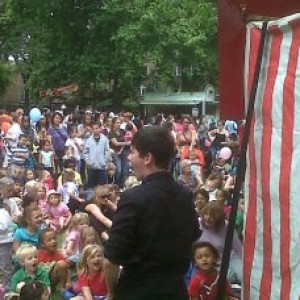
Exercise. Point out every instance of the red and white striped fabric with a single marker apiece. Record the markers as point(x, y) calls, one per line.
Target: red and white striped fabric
point(272, 183)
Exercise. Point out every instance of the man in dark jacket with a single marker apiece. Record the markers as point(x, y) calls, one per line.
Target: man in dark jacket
point(153, 228)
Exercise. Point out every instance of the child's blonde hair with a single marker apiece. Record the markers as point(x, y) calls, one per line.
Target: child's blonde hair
point(130, 182)
point(25, 250)
point(87, 253)
point(85, 233)
point(32, 186)
point(78, 217)
point(68, 175)
point(44, 173)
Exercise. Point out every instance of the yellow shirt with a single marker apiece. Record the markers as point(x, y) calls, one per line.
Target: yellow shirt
point(78, 180)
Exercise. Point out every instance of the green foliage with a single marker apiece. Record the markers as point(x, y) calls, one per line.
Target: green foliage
point(106, 44)
point(5, 77)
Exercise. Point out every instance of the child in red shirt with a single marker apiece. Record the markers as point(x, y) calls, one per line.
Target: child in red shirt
point(204, 284)
point(52, 259)
point(90, 273)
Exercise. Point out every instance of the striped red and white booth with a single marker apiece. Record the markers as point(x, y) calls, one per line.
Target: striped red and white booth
point(272, 182)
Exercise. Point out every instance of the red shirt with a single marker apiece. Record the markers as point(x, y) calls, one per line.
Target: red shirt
point(198, 152)
point(95, 281)
point(45, 256)
point(205, 285)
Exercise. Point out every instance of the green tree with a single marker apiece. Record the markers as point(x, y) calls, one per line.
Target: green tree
point(5, 77)
point(105, 46)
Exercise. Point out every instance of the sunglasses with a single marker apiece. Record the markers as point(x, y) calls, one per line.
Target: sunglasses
point(105, 196)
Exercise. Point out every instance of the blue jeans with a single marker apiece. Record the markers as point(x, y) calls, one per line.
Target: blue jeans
point(96, 177)
point(121, 162)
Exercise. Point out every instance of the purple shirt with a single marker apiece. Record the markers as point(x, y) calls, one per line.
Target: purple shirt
point(217, 239)
point(58, 137)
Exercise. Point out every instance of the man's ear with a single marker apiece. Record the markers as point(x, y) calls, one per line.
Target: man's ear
point(148, 159)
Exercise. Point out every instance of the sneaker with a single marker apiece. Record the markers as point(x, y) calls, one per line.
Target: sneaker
point(67, 294)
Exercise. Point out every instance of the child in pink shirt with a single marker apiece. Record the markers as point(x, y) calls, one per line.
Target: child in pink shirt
point(71, 243)
point(59, 214)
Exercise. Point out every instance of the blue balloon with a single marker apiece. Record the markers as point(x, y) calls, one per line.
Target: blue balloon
point(35, 114)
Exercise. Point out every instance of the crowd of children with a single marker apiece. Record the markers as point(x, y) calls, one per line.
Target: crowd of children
point(56, 207)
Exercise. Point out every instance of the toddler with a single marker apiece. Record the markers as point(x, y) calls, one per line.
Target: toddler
point(69, 190)
point(42, 199)
point(47, 180)
point(76, 146)
point(19, 154)
point(88, 236)
point(29, 175)
point(52, 260)
point(59, 215)
point(71, 243)
point(46, 157)
point(213, 183)
point(224, 197)
point(201, 197)
point(30, 270)
point(204, 283)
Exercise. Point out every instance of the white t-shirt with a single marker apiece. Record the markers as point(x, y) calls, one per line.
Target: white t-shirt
point(67, 189)
point(71, 142)
point(13, 134)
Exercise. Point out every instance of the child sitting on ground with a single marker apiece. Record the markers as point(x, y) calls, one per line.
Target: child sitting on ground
point(204, 283)
point(53, 260)
point(30, 229)
point(71, 243)
point(88, 236)
point(47, 180)
point(30, 270)
point(59, 215)
point(69, 190)
point(42, 200)
point(90, 274)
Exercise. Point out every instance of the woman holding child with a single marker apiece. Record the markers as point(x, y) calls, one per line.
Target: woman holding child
point(120, 145)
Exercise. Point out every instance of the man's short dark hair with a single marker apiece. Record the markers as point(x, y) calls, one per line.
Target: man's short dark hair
point(157, 141)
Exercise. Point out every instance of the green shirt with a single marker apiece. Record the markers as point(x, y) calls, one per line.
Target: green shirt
point(21, 276)
point(239, 222)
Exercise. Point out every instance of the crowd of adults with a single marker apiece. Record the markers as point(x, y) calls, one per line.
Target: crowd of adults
point(75, 163)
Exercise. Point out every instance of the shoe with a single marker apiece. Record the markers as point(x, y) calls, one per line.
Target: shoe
point(67, 294)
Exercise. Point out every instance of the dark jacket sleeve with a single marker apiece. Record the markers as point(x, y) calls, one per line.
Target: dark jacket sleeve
point(122, 237)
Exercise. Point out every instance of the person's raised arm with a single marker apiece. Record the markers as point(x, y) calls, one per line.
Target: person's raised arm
point(118, 144)
point(97, 213)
